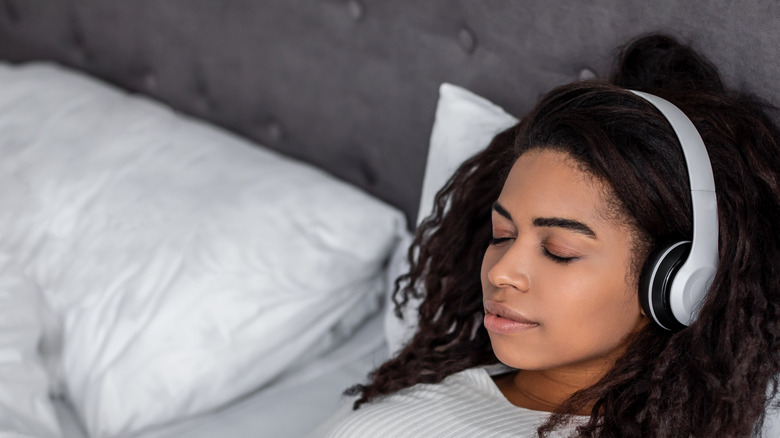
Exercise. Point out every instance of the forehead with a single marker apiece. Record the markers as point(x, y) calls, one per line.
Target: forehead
point(550, 183)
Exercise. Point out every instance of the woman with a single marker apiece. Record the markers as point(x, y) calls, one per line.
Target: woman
point(534, 256)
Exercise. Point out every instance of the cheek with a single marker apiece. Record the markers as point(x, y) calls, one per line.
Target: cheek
point(591, 313)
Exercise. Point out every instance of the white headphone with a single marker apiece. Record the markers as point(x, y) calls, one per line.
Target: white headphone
point(677, 276)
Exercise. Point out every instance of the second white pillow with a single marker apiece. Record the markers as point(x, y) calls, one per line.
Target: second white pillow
point(465, 124)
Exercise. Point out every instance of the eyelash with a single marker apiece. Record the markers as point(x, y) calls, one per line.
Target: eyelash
point(497, 240)
point(548, 254)
point(558, 259)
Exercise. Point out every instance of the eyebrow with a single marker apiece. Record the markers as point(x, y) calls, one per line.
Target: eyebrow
point(557, 222)
point(498, 208)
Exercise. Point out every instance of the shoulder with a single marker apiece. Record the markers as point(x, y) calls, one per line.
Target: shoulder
point(464, 404)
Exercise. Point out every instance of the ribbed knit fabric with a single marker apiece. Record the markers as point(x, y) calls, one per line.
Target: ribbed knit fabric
point(466, 404)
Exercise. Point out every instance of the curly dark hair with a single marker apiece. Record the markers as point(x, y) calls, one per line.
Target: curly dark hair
point(714, 378)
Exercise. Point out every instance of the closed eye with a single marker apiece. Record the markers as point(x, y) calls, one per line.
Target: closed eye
point(557, 258)
point(499, 240)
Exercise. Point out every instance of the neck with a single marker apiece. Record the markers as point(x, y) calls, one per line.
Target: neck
point(546, 390)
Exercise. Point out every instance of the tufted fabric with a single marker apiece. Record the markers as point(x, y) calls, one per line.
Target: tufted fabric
point(351, 85)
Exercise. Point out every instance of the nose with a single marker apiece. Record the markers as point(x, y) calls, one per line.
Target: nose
point(507, 267)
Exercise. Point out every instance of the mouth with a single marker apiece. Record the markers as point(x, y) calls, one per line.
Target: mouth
point(503, 320)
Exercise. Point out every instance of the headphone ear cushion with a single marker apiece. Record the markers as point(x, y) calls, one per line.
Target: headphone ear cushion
point(656, 283)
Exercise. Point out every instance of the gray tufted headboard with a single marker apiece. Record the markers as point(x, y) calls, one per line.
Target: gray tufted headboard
point(351, 85)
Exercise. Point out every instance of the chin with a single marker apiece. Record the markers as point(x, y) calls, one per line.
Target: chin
point(512, 356)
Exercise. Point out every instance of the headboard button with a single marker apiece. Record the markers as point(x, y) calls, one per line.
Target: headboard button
point(77, 55)
point(587, 74)
point(270, 132)
point(202, 104)
point(357, 10)
point(11, 11)
point(467, 40)
point(150, 81)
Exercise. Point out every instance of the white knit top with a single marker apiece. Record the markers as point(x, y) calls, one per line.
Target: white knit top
point(466, 404)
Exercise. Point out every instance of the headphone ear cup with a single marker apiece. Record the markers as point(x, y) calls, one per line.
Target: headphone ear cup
point(656, 283)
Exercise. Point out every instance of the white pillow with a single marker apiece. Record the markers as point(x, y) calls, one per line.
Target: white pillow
point(465, 124)
point(187, 266)
point(25, 407)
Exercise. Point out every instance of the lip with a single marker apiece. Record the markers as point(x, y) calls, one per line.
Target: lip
point(503, 320)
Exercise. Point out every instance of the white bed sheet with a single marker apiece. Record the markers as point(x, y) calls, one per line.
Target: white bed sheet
point(291, 407)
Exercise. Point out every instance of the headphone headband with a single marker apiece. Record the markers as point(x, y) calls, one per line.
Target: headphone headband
point(690, 283)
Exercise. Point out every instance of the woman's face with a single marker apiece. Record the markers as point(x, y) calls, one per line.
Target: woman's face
point(557, 283)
